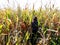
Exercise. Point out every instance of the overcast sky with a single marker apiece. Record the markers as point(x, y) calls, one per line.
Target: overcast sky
point(37, 3)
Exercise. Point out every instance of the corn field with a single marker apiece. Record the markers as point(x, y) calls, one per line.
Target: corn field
point(11, 32)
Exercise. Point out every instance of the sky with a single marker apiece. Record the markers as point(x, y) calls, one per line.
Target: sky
point(37, 3)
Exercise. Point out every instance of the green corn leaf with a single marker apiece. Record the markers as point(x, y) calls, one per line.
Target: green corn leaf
point(1, 26)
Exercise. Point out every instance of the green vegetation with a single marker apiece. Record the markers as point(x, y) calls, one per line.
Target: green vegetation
point(47, 19)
